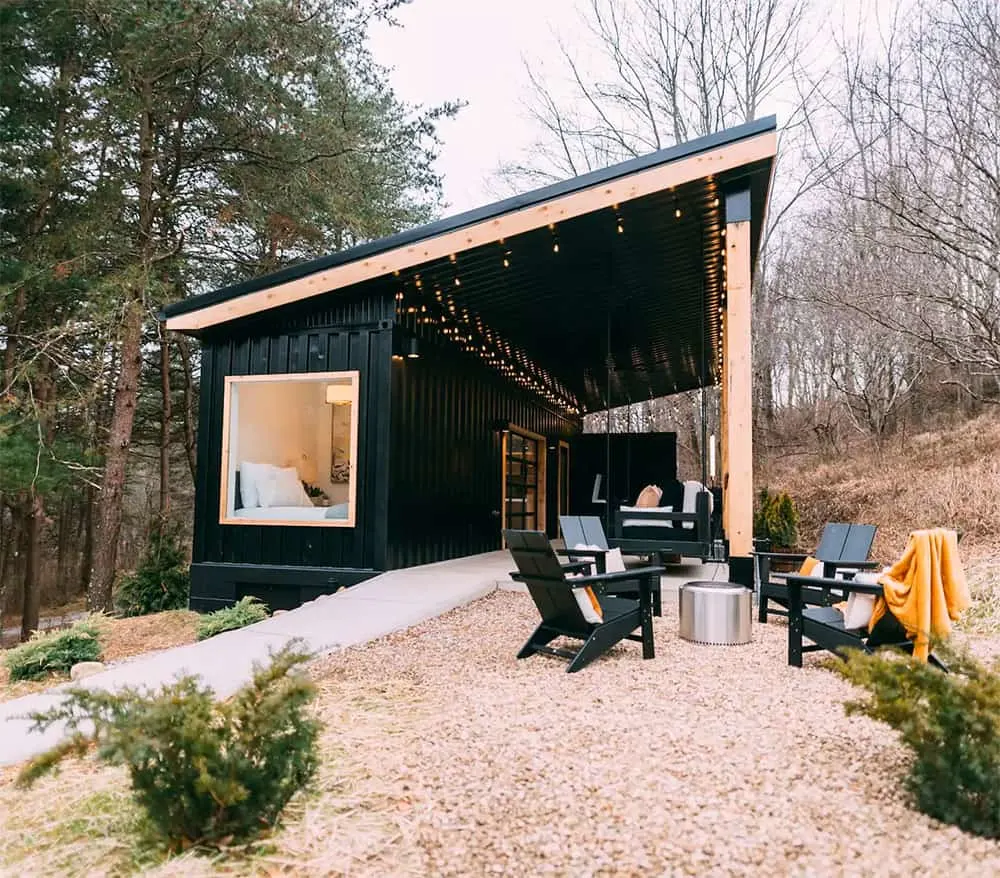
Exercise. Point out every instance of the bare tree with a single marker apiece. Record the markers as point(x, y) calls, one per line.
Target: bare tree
point(923, 121)
point(660, 73)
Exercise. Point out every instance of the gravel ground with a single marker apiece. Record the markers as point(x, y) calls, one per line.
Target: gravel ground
point(445, 756)
point(706, 760)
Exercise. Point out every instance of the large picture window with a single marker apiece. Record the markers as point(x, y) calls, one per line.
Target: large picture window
point(290, 449)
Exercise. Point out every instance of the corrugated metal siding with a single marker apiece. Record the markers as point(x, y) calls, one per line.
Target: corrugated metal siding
point(344, 333)
point(445, 454)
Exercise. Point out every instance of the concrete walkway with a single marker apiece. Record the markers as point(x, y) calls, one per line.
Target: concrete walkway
point(386, 603)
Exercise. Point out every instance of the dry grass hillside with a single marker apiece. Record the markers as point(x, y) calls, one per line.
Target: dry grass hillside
point(947, 478)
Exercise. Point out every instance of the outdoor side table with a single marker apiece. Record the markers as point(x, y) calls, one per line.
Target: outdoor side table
point(715, 612)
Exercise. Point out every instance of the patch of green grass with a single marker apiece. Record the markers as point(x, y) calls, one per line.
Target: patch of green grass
point(55, 651)
point(246, 611)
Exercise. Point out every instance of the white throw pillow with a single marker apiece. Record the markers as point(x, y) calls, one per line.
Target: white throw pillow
point(587, 600)
point(250, 477)
point(613, 561)
point(282, 487)
point(860, 606)
point(587, 548)
point(691, 491)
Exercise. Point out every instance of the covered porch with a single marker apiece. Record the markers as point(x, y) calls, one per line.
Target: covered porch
point(618, 286)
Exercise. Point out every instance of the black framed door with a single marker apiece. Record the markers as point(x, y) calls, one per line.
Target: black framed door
point(523, 478)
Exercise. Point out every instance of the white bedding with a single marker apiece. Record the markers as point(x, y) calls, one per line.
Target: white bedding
point(295, 513)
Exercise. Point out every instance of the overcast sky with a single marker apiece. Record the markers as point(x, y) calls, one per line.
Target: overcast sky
point(471, 50)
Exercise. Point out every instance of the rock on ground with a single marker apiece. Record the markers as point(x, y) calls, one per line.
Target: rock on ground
point(85, 669)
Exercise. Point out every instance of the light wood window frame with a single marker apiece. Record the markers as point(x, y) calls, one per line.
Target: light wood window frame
point(314, 378)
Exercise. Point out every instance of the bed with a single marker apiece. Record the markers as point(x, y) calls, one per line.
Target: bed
point(295, 505)
point(295, 513)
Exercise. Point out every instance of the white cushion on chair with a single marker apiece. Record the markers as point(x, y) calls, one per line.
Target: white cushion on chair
point(691, 491)
point(860, 606)
point(587, 600)
point(613, 561)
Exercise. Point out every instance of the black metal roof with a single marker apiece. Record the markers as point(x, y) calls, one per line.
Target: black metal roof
point(607, 317)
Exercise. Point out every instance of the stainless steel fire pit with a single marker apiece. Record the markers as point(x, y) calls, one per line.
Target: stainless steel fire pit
point(715, 612)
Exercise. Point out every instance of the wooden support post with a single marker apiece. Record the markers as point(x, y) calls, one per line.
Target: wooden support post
point(737, 381)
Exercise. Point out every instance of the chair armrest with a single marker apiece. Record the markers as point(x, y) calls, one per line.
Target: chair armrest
point(621, 576)
point(583, 553)
point(839, 584)
point(782, 556)
point(574, 583)
point(575, 566)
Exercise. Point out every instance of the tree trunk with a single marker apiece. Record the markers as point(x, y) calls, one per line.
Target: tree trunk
point(87, 539)
point(166, 414)
point(108, 508)
point(108, 519)
point(35, 515)
point(189, 433)
point(64, 548)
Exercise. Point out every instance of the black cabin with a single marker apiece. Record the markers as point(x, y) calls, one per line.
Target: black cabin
point(402, 402)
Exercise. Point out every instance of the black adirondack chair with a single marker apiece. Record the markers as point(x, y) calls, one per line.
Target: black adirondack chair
point(824, 626)
point(539, 569)
point(841, 547)
point(587, 530)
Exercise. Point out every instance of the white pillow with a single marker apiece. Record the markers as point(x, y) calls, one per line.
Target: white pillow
point(860, 606)
point(586, 548)
point(645, 522)
point(250, 477)
point(613, 561)
point(282, 487)
point(587, 600)
point(691, 491)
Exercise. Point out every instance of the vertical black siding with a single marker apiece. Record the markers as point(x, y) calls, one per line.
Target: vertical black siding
point(334, 334)
point(445, 454)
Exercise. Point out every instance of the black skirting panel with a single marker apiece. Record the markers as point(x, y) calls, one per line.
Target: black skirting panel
point(280, 587)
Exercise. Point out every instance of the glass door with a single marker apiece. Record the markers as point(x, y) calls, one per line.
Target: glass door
point(522, 482)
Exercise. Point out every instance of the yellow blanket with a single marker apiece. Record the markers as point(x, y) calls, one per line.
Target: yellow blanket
point(925, 589)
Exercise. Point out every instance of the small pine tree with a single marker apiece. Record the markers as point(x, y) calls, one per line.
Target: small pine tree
point(246, 611)
point(948, 721)
point(776, 519)
point(161, 581)
point(204, 771)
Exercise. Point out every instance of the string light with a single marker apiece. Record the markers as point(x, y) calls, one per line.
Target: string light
point(677, 213)
point(458, 283)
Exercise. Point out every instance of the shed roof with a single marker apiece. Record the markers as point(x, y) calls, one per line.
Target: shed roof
point(606, 287)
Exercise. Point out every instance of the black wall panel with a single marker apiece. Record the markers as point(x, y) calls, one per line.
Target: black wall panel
point(445, 456)
point(338, 334)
